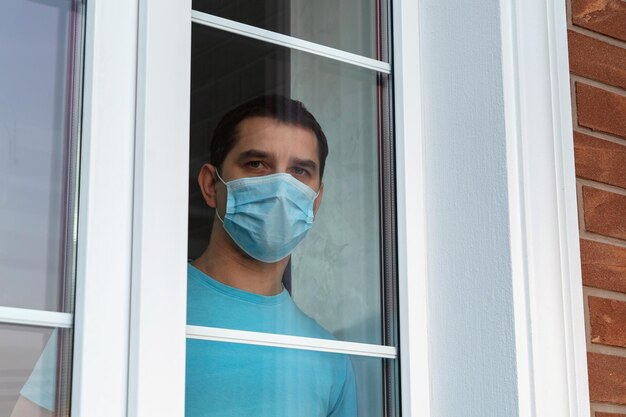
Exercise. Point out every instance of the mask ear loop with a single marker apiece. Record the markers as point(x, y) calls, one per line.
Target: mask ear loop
point(319, 190)
point(217, 213)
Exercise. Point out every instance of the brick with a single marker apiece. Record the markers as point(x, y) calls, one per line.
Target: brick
point(597, 60)
point(603, 265)
point(601, 110)
point(598, 414)
point(603, 16)
point(607, 378)
point(600, 160)
point(608, 321)
point(605, 212)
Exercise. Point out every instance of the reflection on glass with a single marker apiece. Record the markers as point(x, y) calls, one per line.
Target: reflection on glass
point(32, 382)
point(351, 25)
point(334, 275)
point(36, 41)
point(251, 380)
point(336, 270)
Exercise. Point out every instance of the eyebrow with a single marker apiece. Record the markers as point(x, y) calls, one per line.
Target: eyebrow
point(305, 163)
point(253, 153)
point(256, 153)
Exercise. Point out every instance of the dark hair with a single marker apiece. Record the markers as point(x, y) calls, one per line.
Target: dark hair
point(275, 106)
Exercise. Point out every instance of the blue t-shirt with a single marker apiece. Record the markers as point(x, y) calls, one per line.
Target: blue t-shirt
point(40, 387)
point(239, 380)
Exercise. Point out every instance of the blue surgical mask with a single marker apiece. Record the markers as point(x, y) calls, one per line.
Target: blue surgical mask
point(268, 216)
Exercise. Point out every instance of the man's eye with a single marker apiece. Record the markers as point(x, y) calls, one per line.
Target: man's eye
point(299, 171)
point(255, 164)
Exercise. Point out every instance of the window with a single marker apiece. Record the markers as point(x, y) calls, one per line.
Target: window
point(133, 204)
point(343, 274)
point(40, 44)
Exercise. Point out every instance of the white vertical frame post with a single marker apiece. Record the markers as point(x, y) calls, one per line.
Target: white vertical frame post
point(159, 298)
point(100, 369)
point(411, 216)
point(548, 302)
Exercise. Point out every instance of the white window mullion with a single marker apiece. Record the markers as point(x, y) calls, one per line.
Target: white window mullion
point(217, 334)
point(30, 317)
point(100, 369)
point(157, 339)
point(254, 32)
point(410, 174)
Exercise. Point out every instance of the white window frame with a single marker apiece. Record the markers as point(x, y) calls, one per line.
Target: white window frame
point(126, 312)
point(131, 291)
point(104, 241)
point(411, 215)
point(103, 252)
point(548, 300)
point(268, 339)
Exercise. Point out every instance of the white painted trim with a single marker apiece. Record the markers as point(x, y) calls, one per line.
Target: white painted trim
point(291, 342)
point(548, 302)
point(516, 213)
point(30, 317)
point(100, 368)
point(289, 41)
point(156, 381)
point(571, 277)
point(411, 215)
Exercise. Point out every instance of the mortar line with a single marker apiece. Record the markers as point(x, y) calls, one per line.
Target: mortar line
point(600, 135)
point(604, 293)
point(598, 84)
point(601, 186)
point(597, 35)
point(607, 408)
point(595, 237)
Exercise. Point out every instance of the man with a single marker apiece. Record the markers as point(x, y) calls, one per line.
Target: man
point(264, 181)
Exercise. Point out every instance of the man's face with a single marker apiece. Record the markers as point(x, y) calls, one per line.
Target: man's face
point(266, 146)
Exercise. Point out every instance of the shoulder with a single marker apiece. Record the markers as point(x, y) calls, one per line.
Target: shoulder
point(307, 326)
point(344, 389)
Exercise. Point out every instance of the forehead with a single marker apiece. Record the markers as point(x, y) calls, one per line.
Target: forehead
point(271, 135)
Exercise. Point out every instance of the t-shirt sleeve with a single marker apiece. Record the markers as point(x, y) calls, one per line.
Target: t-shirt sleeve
point(41, 384)
point(345, 405)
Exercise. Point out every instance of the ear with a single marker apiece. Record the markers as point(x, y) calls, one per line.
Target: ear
point(207, 179)
point(318, 200)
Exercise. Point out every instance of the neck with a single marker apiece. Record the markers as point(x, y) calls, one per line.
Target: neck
point(225, 262)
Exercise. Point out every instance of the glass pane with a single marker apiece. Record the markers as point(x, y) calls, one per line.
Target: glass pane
point(356, 26)
point(34, 371)
point(37, 40)
point(249, 380)
point(335, 274)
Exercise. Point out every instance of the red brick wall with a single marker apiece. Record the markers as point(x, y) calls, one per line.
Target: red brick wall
point(597, 55)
